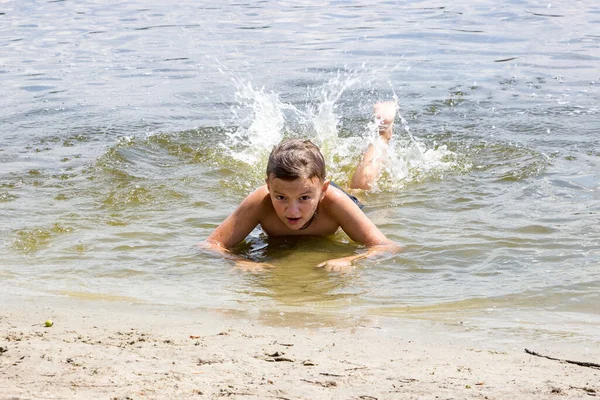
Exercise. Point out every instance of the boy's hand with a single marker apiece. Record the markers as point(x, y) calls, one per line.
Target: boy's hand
point(252, 266)
point(337, 264)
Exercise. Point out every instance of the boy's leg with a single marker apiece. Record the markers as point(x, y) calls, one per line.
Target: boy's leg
point(370, 166)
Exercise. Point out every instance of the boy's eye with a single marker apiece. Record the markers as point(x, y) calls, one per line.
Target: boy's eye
point(280, 197)
point(304, 198)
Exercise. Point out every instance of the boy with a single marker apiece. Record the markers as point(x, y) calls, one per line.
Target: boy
point(298, 200)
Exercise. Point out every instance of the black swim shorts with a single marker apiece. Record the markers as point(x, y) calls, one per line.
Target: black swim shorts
point(353, 198)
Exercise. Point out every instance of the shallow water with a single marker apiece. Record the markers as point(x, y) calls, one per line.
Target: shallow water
point(129, 131)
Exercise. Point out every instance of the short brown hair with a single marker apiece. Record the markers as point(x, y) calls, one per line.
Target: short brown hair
point(296, 158)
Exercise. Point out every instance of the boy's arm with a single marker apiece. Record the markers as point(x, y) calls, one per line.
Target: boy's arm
point(339, 264)
point(236, 227)
point(359, 228)
point(238, 224)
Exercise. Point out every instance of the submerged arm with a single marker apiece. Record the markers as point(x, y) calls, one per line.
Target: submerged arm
point(360, 229)
point(235, 228)
point(338, 264)
point(240, 262)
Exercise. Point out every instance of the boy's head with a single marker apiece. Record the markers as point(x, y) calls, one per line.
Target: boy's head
point(296, 182)
point(296, 158)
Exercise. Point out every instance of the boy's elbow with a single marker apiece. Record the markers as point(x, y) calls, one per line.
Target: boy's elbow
point(213, 244)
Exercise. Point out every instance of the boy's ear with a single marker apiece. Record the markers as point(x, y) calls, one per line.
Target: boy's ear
point(324, 188)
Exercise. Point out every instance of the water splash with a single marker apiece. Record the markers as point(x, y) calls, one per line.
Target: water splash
point(323, 117)
point(263, 120)
point(414, 162)
point(259, 116)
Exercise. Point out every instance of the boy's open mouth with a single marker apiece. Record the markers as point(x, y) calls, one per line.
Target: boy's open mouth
point(293, 220)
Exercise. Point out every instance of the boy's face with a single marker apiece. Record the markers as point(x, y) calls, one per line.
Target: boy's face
point(296, 201)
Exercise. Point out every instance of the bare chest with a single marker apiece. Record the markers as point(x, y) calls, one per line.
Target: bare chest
point(322, 225)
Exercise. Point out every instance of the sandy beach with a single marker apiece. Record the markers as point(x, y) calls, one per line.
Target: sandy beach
point(104, 350)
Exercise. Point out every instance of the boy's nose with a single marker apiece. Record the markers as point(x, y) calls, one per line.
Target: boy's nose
point(293, 207)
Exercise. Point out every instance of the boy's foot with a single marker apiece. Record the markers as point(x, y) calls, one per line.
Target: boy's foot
point(369, 167)
point(385, 112)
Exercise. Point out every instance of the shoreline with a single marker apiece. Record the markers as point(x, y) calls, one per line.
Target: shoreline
point(120, 351)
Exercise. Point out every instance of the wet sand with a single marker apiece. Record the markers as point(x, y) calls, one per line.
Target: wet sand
point(104, 350)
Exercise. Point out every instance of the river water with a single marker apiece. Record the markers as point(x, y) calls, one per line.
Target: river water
point(129, 130)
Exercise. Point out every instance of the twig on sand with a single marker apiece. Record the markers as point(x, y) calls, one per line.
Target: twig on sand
point(324, 384)
point(79, 385)
point(328, 374)
point(355, 369)
point(580, 363)
point(589, 391)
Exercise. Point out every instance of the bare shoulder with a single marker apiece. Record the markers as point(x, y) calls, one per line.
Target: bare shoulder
point(259, 200)
point(338, 204)
point(351, 218)
point(259, 193)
